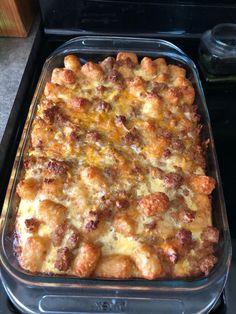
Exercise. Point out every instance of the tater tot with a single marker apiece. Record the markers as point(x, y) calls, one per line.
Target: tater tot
point(41, 135)
point(63, 76)
point(55, 78)
point(79, 104)
point(51, 213)
point(49, 89)
point(72, 63)
point(176, 71)
point(28, 188)
point(33, 253)
point(92, 71)
point(161, 65)
point(93, 177)
point(137, 86)
point(148, 66)
point(154, 203)
point(114, 266)
point(86, 260)
point(147, 262)
point(127, 55)
point(152, 106)
point(188, 94)
point(202, 184)
point(124, 224)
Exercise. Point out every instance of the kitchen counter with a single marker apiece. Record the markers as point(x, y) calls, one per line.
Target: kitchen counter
point(14, 53)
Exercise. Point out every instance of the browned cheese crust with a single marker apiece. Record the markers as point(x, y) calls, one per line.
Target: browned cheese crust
point(114, 182)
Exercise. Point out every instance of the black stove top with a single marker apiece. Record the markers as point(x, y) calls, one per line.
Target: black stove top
point(221, 103)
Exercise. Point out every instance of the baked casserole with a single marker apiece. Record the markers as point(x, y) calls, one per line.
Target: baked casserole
point(114, 182)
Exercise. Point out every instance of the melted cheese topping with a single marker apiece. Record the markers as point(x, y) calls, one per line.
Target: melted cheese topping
point(105, 140)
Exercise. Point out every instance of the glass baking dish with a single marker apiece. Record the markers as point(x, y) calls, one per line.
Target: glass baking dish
point(57, 294)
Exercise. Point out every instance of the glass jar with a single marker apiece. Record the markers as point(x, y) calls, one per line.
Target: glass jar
point(217, 50)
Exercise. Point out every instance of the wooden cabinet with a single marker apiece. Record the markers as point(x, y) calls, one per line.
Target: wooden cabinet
point(16, 17)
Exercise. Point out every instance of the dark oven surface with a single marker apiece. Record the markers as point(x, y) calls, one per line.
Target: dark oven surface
point(221, 103)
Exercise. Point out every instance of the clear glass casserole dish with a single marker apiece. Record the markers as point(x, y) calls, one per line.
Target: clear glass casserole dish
point(55, 294)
